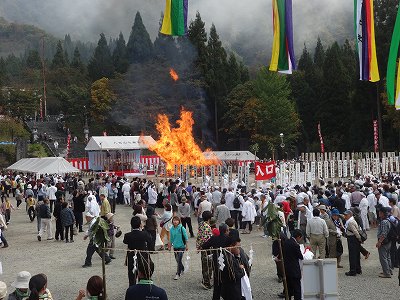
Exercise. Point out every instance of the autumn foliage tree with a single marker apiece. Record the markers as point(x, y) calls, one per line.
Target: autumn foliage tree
point(102, 99)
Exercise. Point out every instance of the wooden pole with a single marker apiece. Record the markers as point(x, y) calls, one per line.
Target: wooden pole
point(103, 265)
point(283, 270)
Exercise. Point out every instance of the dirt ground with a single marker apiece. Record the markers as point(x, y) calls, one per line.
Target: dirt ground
point(62, 263)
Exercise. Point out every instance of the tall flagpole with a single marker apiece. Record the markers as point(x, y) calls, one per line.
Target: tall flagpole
point(44, 79)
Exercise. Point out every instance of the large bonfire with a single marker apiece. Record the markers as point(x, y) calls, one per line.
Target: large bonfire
point(176, 146)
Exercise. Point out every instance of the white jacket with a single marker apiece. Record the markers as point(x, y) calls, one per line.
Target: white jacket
point(248, 212)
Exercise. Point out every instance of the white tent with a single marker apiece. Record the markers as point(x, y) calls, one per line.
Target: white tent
point(44, 165)
point(231, 155)
point(102, 143)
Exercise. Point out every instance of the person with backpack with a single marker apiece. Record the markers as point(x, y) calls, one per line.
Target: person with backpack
point(236, 211)
point(384, 235)
point(178, 241)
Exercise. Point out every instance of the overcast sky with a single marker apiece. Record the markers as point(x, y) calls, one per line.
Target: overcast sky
point(234, 19)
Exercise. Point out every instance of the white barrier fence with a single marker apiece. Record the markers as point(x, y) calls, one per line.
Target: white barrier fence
point(300, 172)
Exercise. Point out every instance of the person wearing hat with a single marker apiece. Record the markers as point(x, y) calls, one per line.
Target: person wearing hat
point(3, 290)
point(332, 231)
point(92, 247)
point(21, 285)
point(353, 243)
point(384, 243)
point(363, 206)
point(338, 251)
point(111, 233)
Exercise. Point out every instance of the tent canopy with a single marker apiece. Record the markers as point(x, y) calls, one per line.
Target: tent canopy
point(231, 155)
point(100, 143)
point(44, 165)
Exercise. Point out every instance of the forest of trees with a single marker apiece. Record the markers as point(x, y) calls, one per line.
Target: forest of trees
point(124, 84)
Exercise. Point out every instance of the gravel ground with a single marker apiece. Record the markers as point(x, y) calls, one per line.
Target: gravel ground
point(62, 263)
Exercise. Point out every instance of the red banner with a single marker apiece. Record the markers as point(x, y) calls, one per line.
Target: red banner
point(68, 145)
point(376, 136)
point(320, 138)
point(265, 171)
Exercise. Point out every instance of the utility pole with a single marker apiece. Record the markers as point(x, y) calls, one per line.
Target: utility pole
point(44, 78)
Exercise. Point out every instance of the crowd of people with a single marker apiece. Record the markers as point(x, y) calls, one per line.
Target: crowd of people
point(319, 216)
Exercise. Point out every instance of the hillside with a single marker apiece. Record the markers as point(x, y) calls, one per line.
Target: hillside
point(15, 38)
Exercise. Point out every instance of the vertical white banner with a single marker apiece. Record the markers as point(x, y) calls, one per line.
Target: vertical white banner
point(345, 168)
point(239, 174)
point(364, 167)
point(219, 172)
point(246, 176)
point(175, 171)
point(319, 169)
point(332, 169)
point(307, 171)
point(359, 166)
point(391, 161)
point(297, 176)
point(229, 175)
point(340, 168)
point(195, 174)
point(368, 165)
point(351, 167)
point(182, 172)
point(326, 169)
point(212, 176)
point(312, 171)
point(397, 164)
point(187, 174)
point(204, 174)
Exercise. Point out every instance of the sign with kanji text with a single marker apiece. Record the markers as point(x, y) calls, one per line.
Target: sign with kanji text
point(265, 171)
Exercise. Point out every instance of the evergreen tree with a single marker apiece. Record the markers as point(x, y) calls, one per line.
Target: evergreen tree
point(68, 45)
point(59, 58)
point(234, 72)
point(3, 72)
point(76, 60)
point(33, 60)
point(101, 64)
point(216, 75)
point(66, 56)
point(120, 55)
point(332, 112)
point(305, 61)
point(198, 37)
point(139, 47)
point(258, 109)
point(319, 54)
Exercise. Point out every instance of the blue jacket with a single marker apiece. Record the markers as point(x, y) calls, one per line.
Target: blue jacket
point(177, 234)
point(67, 217)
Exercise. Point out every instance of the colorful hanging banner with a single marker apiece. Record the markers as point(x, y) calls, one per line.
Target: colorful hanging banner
point(175, 18)
point(283, 58)
point(320, 138)
point(392, 91)
point(365, 36)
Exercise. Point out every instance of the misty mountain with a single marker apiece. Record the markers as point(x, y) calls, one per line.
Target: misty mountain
point(244, 26)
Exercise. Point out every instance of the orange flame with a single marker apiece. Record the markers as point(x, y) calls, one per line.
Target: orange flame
point(173, 74)
point(176, 146)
